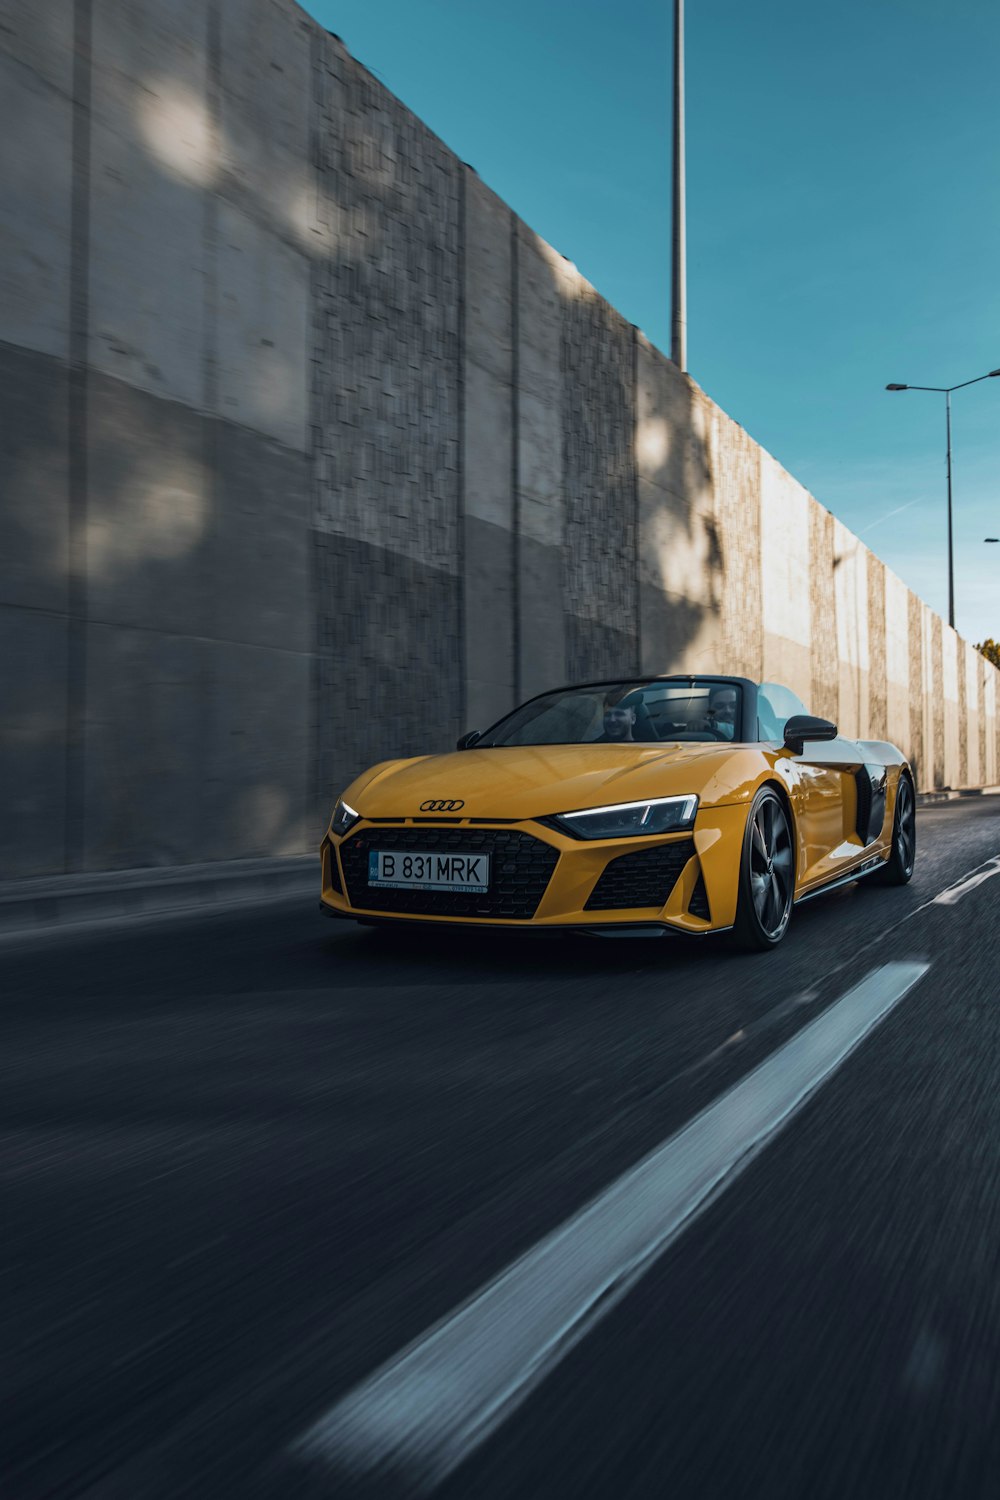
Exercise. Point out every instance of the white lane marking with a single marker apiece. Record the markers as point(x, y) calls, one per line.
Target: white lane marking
point(961, 888)
point(426, 1410)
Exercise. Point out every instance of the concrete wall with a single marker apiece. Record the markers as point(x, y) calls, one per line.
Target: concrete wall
point(312, 453)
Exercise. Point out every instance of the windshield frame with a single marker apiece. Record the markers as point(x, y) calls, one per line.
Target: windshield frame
point(746, 727)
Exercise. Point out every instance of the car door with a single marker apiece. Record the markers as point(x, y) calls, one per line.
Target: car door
point(836, 797)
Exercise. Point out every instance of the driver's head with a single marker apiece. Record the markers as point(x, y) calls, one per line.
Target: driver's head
point(619, 719)
point(722, 706)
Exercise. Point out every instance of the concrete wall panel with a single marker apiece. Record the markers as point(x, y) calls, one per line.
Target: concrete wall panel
point(386, 312)
point(934, 688)
point(389, 658)
point(150, 514)
point(32, 741)
point(598, 441)
point(488, 458)
point(991, 773)
point(825, 686)
point(542, 647)
point(36, 124)
point(851, 592)
point(736, 465)
point(973, 716)
point(488, 233)
point(681, 565)
point(877, 685)
point(258, 798)
point(962, 725)
point(544, 281)
point(785, 554)
point(264, 117)
point(161, 704)
point(260, 573)
point(897, 661)
point(489, 658)
point(674, 428)
point(918, 746)
point(34, 479)
point(153, 153)
point(263, 330)
point(147, 748)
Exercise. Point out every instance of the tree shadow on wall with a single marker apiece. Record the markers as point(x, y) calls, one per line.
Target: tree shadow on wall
point(643, 558)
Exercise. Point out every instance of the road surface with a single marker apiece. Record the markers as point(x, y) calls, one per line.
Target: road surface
point(249, 1160)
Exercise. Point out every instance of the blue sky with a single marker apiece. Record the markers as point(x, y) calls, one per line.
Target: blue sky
point(843, 219)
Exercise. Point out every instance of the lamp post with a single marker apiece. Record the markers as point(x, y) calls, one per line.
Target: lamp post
point(946, 391)
point(678, 268)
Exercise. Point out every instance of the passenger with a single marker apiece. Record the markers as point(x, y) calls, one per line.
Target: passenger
point(721, 715)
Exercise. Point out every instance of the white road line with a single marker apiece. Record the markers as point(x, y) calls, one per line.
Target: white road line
point(956, 892)
point(431, 1405)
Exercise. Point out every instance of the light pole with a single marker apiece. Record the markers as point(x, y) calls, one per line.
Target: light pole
point(946, 391)
point(678, 268)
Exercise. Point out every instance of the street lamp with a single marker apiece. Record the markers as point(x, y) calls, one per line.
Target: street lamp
point(946, 391)
point(678, 260)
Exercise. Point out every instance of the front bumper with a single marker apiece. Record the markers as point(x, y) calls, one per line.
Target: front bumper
point(700, 899)
point(601, 930)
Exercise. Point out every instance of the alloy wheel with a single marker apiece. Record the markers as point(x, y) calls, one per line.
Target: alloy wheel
point(906, 826)
point(772, 877)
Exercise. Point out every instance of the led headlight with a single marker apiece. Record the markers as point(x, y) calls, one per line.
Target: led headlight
point(344, 818)
point(626, 819)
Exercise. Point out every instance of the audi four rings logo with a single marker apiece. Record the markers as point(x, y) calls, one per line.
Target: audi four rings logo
point(441, 806)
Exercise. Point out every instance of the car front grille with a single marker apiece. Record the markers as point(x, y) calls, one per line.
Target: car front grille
point(520, 869)
point(644, 878)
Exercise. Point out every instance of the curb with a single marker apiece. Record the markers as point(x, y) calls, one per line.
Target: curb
point(52, 902)
point(955, 794)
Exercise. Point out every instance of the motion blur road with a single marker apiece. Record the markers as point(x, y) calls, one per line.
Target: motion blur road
point(249, 1158)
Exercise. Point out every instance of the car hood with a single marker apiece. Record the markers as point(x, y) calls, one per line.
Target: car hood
point(520, 782)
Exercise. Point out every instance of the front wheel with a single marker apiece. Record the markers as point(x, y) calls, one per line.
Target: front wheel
point(898, 869)
point(767, 875)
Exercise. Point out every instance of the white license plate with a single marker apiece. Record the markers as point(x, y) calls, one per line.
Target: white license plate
point(429, 872)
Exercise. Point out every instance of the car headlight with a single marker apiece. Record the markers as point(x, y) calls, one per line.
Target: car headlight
point(625, 819)
point(344, 818)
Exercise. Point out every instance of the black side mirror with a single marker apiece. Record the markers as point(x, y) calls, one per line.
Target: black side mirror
point(468, 740)
point(802, 727)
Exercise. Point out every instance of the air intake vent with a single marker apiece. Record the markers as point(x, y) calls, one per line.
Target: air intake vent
point(332, 871)
point(643, 878)
point(698, 905)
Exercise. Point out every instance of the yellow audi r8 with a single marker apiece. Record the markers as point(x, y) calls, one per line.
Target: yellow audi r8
point(692, 805)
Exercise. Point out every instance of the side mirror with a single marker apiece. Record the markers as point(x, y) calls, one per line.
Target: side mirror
point(802, 727)
point(468, 740)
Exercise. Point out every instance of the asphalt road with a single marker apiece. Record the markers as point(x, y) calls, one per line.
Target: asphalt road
point(247, 1159)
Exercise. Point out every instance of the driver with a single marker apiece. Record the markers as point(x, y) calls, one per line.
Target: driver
point(721, 715)
point(619, 721)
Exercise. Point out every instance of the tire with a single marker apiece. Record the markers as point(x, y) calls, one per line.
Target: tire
point(767, 875)
point(898, 869)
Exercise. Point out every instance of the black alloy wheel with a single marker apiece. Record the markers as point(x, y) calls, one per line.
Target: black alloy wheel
point(898, 868)
point(767, 874)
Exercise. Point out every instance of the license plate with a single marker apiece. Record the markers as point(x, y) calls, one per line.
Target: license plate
point(429, 872)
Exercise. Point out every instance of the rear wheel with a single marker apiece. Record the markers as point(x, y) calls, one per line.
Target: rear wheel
point(898, 869)
point(767, 874)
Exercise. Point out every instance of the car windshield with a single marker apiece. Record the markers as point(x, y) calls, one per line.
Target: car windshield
point(613, 713)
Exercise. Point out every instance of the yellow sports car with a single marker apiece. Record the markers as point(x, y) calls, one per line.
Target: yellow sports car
point(668, 804)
